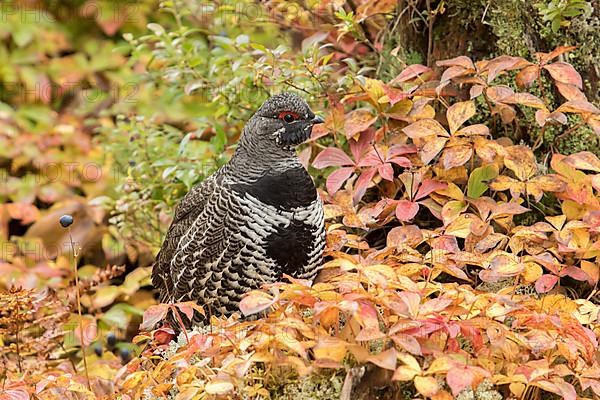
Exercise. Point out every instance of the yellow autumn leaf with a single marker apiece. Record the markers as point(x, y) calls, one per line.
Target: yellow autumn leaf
point(439, 366)
point(521, 161)
point(460, 226)
point(426, 385)
point(218, 387)
point(459, 113)
point(135, 379)
point(532, 272)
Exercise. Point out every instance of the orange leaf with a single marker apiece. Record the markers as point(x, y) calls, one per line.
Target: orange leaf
point(545, 57)
point(527, 76)
point(592, 270)
point(578, 106)
point(255, 302)
point(461, 61)
point(386, 359)
point(565, 73)
point(521, 161)
point(410, 235)
point(525, 99)
point(456, 156)
point(358, 121)
point(431, 148)
point(570, 92)
point(423, 128)
point(583, 160)
point(472, 130)
point(500, 64)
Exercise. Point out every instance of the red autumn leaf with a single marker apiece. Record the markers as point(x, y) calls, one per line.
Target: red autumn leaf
point(476, 91)
point(453, 72)
point(410, 72)
point(461, 61)
point(428, 186)
point(408, 343)
point(546, 283)
point(500, 64)
point(364, 143)
point(318, 131)
point(394, 95)
point(575, 273)
point(163, 335)
point(406, 210)
point(337, 178)
point(401, 149)
point(362, 183)
point(153, 315)
point(386, 171)
point(330, 157)
point(188, 308)
point(543, 117)
point(499, 93)
point(408, 235)
point(459, 378)
point(565, 73)
point(304, 157)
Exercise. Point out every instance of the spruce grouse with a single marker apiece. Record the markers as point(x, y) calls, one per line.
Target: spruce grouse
point(255, 219)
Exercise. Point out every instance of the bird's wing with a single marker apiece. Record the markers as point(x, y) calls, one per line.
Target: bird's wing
point(189, 209)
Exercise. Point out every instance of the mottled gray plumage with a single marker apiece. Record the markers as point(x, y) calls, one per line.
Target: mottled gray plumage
point(257, 217)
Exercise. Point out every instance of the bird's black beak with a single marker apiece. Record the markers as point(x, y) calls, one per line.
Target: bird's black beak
point(317, 120)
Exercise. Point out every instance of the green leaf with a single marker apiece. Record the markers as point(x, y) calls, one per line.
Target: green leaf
point(478, 179)
point(556, 24)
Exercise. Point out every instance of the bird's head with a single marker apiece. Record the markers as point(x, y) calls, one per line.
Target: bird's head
point(285, 119)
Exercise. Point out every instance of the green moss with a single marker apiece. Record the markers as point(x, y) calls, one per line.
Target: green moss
point(485, 391)
point(320, 385)
point(581, 139)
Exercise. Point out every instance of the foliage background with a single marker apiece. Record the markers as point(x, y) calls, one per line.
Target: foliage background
point(111, 110)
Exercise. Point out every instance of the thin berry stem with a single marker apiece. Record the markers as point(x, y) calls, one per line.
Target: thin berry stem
point(85, 366)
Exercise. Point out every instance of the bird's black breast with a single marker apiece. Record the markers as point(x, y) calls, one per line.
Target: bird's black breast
point(290, 189)
point(290, 247)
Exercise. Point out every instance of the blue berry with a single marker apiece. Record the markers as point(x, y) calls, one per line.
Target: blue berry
point(66, 220)
point(125, 355)
point(111, 339)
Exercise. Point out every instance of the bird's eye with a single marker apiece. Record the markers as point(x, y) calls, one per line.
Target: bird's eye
point(288, 116)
